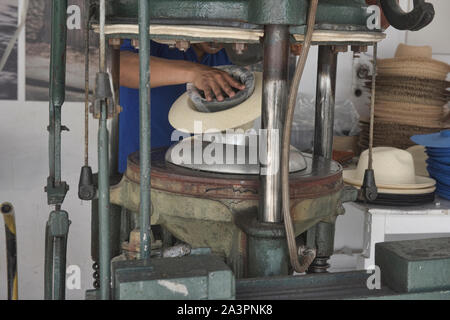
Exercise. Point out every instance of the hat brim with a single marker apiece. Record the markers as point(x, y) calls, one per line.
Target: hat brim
point(404, 191)
point(183, 114)
point(350, 176)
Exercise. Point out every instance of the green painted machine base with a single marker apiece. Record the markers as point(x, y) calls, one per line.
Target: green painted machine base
point(290, 12)
point(204, 277)
point(267, 253)
point(325, 286)
point(415, 265)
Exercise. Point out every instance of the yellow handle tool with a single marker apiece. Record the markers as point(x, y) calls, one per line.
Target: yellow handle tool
point(7, 210)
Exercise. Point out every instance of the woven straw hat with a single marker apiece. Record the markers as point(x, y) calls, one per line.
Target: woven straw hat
point(410, 114)
point(393, 169)
point(404, 50)
point(390, 134)
point(413, 61)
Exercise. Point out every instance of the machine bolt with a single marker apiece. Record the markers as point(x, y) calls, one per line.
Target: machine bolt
point(341, 48)
point(363, 71)
point(359, 49)
point(296, 48)
point(239, 48)
point(182, 45)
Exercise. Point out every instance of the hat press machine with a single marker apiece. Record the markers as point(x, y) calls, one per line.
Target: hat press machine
point(230, 224)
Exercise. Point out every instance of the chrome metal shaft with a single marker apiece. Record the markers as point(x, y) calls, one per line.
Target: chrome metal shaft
point(103, 177)
point(325, 96)
point(274, 99)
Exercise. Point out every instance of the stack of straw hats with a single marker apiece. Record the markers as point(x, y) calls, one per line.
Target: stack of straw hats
point(437, 148)
point(395, 176)
point(411, 94)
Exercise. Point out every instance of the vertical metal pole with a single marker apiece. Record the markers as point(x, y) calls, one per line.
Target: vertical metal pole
point(325, 94)
point(113, 67)
point(275, 90)
point(322, 234)
point(48, 265)
point(103, 177)
point(57, 84)
point(144, 127)
point(58, 222)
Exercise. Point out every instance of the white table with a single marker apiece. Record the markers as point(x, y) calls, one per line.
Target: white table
point(380, 221)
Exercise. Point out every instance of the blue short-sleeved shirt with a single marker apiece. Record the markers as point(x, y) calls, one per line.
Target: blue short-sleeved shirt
point(162, 99)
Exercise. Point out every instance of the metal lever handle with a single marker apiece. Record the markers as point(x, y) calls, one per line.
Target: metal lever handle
point(86, 188)
point(419, 17)
point(369, 191)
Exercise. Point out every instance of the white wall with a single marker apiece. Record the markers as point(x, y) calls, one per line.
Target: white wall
point(24, 169)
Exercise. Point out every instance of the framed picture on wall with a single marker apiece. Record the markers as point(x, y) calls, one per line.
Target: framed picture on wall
point(38, 36)
point(8, 25)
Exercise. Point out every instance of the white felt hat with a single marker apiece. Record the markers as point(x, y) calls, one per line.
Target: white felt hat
point(393, 169)
point(183, 115)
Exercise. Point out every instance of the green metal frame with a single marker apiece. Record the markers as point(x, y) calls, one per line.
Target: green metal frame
point(290, 12)
point(57, 227)
point(144, 127)
point(245, 13)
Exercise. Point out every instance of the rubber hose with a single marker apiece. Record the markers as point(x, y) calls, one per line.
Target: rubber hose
point(308, 255)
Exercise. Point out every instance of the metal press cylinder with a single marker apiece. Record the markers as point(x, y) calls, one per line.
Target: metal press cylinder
point(325, 96)
point(274, 99)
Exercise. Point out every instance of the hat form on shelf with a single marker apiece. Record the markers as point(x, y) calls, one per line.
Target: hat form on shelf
point(434, 140)
point(438, 163)
point(393, 169)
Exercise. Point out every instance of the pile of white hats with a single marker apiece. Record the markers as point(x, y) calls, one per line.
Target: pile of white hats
point(395, 176)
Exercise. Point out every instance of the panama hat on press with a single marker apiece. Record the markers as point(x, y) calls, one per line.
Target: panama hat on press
point(183, 114)
point(393, 169)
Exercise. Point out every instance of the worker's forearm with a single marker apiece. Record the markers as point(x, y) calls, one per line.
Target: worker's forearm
point(213, 82)
point(163, 71)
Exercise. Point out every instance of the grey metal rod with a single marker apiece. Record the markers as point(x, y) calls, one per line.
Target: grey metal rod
point(57, 85)
point(48, 265)
point(104, 205)
point(103, 178)
point(144, 128)
point(113, 67)
point(59, 284)
point(325, 96)
point(275, 90)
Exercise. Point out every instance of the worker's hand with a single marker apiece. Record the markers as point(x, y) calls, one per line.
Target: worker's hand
point(214, 82)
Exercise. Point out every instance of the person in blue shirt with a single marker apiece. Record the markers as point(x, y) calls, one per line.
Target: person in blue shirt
point(170, 70)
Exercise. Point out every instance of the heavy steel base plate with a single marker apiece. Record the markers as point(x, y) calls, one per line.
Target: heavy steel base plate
point(319, 179)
